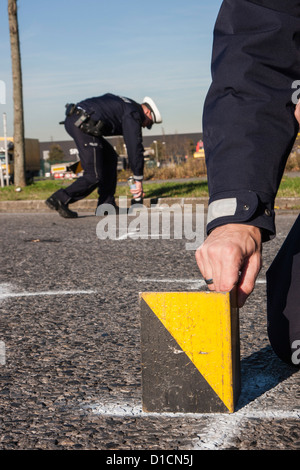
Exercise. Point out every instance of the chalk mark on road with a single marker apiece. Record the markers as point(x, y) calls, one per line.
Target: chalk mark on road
point(6, 292)
point(219, 430)
point(193, 283)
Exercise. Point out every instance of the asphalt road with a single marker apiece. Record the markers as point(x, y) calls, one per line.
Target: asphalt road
point(70, 369)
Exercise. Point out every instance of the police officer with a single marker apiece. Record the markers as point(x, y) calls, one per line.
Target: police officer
point(249, 129)
point(87, 122)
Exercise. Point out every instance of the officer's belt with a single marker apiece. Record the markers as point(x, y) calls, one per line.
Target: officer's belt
point(84, 121)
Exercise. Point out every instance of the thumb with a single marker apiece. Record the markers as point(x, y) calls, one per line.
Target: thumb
point(248, 277)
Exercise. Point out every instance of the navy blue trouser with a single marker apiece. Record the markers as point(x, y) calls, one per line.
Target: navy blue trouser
point(99, 162)
point(283, 298)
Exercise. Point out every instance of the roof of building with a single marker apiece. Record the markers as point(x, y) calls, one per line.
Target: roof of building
point(69, 147)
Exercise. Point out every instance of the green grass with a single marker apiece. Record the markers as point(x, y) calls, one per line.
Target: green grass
point(289, 187)
point(35, 191)
point(41, 190)
point(169, 189)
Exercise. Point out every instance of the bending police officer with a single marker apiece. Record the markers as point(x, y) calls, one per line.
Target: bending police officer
point(87, 122)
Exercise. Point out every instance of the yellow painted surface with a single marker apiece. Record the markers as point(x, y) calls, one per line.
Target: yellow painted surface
point(4, 167)
point(199, 154)
point(79, 168)
point(58, 168)
point(200, 322)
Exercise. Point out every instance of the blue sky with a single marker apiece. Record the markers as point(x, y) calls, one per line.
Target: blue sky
point(74, 49)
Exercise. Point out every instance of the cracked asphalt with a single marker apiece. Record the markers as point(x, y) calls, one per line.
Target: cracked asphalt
point(69, 324)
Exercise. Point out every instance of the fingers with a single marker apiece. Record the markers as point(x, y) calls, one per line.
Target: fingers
point(221, 264)
point(136, 194)
point(138, 190)
point(230, 256)
point(205, 266)
point(248, 277)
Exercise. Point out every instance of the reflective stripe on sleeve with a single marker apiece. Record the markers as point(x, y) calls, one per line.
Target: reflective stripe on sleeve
point(221, 208)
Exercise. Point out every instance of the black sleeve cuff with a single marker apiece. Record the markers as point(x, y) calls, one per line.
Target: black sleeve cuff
point(242, 207)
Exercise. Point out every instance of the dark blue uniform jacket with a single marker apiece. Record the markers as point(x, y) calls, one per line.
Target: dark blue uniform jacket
point(248, 121)
point(122, 116)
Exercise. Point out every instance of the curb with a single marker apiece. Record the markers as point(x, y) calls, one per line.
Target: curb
point(89, 205)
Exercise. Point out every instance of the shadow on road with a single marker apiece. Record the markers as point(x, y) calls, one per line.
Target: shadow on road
point(191, 189)
point(261, 372)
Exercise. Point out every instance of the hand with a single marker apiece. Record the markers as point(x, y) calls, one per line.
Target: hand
point(231, 255)
point(138, 191)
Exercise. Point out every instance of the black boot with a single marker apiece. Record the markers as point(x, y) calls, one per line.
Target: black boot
point(53, 203)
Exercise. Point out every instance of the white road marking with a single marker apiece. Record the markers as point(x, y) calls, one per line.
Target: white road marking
point(219, 430)
point(6, 291)
point(183, 281)
point(193, 283)
point(54, 292)
point(187, 281)
point(125, 409)
point(126, 235)
point(2, 353)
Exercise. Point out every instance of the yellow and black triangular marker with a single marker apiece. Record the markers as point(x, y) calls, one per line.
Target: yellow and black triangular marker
point(75, 167)
point(190, 352)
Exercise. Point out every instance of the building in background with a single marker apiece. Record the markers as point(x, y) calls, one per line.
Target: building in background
point(159, 150)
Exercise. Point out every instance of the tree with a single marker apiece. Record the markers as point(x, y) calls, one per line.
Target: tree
point(19, 140)
point(56, 153)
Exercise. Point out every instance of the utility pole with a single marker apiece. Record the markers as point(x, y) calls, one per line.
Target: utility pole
point(5, 150)
point(19, 137)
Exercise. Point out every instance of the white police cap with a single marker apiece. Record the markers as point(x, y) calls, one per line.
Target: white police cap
point(156, 116)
